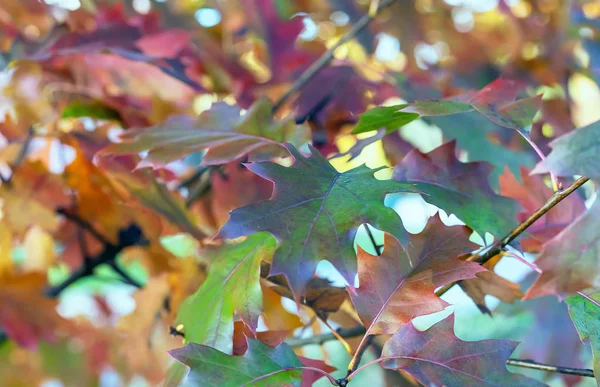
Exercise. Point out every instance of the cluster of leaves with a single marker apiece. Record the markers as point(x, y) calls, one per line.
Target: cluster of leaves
point(142, 152)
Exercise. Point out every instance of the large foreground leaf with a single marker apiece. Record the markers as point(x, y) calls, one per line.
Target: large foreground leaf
point(221, 131)
point(586, 317)
point(575, 153)
point(570, 261)
point(458, 188)
point(436, 357)
point(261, 365)
point(399, 285)
point(314, 213)
point(232, 286)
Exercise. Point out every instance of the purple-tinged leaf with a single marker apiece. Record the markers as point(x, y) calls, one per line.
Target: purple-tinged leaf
point(314, 214)
point(436, 357)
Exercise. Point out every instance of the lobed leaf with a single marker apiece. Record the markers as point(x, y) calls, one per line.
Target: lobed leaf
point(232, 287)
point(436, 357)
point(399, 284)
point(458, 188)
point(314, 214)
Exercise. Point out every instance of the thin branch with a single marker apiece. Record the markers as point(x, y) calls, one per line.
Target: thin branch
point(105, 257)
point(550, 368)
point(372, 238)
point(340, 338)
point(21, 156)
point(497, 247)
point(320, 63)
point(84, 224)
point(126, 277)
point(320, 339)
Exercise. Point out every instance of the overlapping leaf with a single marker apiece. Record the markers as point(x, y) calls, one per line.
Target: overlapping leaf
point(586, 317)
point(569, 262)
point(399, 285)
point(494, 102)
point(221, 131)
point(314, 214)
point(436, 357)
point(458, 188)
point(490, 283)
point(261, 365)
point(232, 286)
point(574, 153)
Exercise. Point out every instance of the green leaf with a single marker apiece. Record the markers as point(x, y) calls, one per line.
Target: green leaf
point(261, 365)
point(93, 110)
point(388, 117)
point(459, 188)
point(314, 214)
point(232, 287)
point(436, 107)
point(586, 318)
point(575, 153)
point(220, 131)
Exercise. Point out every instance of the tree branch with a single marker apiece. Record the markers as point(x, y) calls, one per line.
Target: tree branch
point(84, 224)
point(320, 339)
point(127, 237)
point(126, 277)
point(21, 156)
point(320, 63)
point(550, 368)
point(497, 247)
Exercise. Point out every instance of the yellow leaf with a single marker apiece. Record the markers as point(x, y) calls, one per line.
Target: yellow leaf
point(39, 250)
point(5, 250)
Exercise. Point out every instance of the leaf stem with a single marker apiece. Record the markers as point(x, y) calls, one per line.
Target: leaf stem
point(327, 56)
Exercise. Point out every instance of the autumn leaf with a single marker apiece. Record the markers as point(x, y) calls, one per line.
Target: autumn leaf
point(260, 365)
point(221, 131)
point(319, 294)
point(26, 315)
point(574, 153)
point(276, 316)
point(436, 357)
point(490, 283)
point(241, 334)
point(586, 317)
point(314, 214)
point(569, 262)
point(232, 286)
point(458, 188)
point(399, 284)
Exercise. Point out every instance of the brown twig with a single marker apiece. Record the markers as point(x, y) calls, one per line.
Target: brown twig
point(497, 247)
point(320, 339)
point(21, 156)
point(327, 56)
point(372, 238)
point(550, 368)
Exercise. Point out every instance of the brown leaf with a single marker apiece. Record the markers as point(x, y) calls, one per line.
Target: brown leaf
point(490, 283)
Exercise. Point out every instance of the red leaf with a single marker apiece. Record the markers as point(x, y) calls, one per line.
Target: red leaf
point(399, 285)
